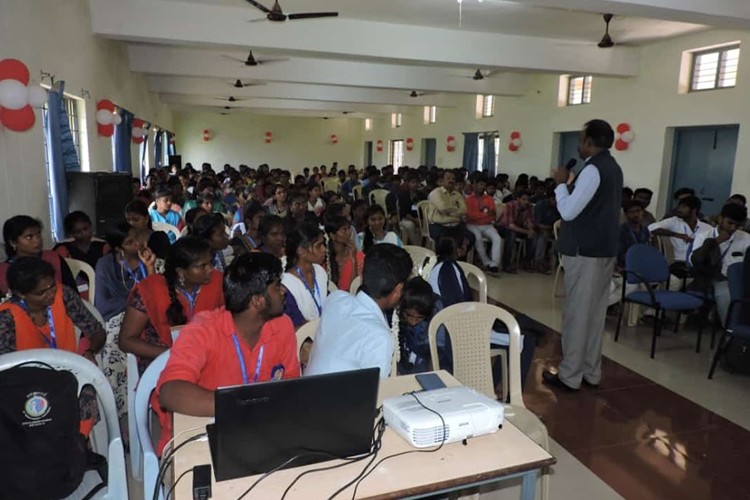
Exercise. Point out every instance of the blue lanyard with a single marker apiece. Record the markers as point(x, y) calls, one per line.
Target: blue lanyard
point(134, 275)
point(241, 359)
point(252, 241)
point(219, 262)
point(729, 247)
point(52, 340)
point(192, 298)
point(314, 294)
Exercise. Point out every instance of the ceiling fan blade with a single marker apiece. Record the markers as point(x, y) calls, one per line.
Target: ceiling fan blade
point(269, 61)
point(233, 58)
point(311, 15)
point(259, 6)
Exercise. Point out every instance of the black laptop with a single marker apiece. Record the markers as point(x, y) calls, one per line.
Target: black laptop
point(260, 426)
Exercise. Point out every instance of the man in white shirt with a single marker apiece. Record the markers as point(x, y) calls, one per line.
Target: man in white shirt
point(354, 331)
point(682, 228)
point(727, 244)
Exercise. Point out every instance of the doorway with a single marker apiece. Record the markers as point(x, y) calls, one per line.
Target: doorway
point(368, 154)
point(703, 159)
point(429, 149)
point(569, 150)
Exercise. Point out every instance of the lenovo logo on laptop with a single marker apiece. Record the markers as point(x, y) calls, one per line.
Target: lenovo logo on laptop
point(253, 401)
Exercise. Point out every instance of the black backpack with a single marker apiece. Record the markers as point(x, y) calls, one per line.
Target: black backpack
point(42, 452)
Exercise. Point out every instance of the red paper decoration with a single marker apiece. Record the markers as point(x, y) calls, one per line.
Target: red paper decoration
point(206, 135)
point(334, 139)
point(625, 136)
point(450, 143)
point(17, 120)
point(379, 146)
point(409, 144)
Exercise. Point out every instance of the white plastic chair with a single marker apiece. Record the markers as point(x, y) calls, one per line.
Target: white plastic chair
point(469, 325)
point(167, 228)
point(355, 285)
point(146, 385)
point(330, 184)
point(380, 197)
point(87, 373)
point(419, 257)
point(78, 266)
point(474, 274)
point(240, 226)
point(357, 192)
point(133, 377)
point(424, 208)
point(556, 231)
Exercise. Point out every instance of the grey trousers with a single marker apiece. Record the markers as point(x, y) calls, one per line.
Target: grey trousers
point(587, 282)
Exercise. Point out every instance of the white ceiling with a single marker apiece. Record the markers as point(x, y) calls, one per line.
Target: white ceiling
point(369, 59)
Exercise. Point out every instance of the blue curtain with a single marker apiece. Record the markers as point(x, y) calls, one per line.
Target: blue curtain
point(471, 151)
point(62, 156)
point(171, 148)
point(122, 140)
point(488, 160)
point(143, 152)
point(158, 149)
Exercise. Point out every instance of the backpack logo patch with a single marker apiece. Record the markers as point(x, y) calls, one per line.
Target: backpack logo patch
point(36, 408)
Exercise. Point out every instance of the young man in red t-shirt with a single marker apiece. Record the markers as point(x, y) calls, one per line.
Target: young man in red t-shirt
point(480, 220)
point(247, 341)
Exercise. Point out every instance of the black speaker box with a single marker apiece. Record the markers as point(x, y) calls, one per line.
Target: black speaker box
point(102, 195)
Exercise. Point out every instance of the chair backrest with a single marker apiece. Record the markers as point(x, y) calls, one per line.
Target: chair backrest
point(167, 228)
point(736, 292)
point(419, 257)
point(380, 197)
point(648, 263)
point(331, 184)
point(556, 228)
point(87, 373)
point(146, 386)
point(78, 266)
point(307, 331)
point(423, 214)
point(476, 277)
point(332, 287)
point(239, 227)
point(469, 325)
point(95, 312)
point(357, 192)
point(355, 285)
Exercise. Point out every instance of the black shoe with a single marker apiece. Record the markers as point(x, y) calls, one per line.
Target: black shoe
point(493, 270)
point(553, 379)
point(589, 384)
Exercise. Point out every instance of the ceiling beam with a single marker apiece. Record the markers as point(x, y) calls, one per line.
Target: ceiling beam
point(731, 14)
point(195, 23)
point(218, 88)
point(177, 61)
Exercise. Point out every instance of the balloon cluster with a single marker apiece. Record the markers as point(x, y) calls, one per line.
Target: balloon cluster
point(334, 139)
point(409, 143)
point(624, 137)
point(17, 98)
point(515, 142)
point(450, 143)
point(139, 131)
point(106, 118)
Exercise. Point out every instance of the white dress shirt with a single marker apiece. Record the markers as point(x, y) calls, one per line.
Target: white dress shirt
point(678, 225)
point(570, 205)
point(353, 334)
point(732, 251)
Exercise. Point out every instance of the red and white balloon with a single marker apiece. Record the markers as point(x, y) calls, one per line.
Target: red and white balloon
point(105, 118)
point(139, 131)
point(379, 146)
point(269, 137)
point(515, 142)
point(206, 135)
point(409, 144)
point(450, 143)
point(17, 98)
point(625, 136)
point(334, 139)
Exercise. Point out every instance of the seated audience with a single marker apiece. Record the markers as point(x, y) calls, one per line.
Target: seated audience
point(545, 217)
point(633, 231)
point(273, 236)
point(188, 286)
point(516, 223)
point(714, 251)
point(305, 279)
point(23, 238)
point(348, 186)
point(213, 229)
point(353, 331)
point(376, 232)
point(248, 340)
point(345, 262)
point(447, 212)
point(480, 219)
point(249, 240)
point(163, 211)
point(681, 193)
point(82, 247)
point(297, 213)
point(136, 214)
point(314, 201)
point(277, 205)
point(644, 195)
point(359, 207)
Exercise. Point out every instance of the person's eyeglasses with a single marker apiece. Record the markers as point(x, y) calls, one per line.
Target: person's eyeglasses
point(41, 293)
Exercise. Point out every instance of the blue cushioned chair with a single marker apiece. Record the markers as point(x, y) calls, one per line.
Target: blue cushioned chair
point(645, 265)
point(734, 328)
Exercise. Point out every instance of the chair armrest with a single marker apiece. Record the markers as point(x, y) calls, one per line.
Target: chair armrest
point(641, 280)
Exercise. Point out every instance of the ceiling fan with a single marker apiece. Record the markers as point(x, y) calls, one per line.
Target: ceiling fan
point(414, 94)
point(239, 84)
point(478, 75)
point(275, 13)
point(606, 42)
point(251, 60)
point(229, 99)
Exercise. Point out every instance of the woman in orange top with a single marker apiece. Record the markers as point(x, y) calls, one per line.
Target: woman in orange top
point(344, 261)
point(189, 285)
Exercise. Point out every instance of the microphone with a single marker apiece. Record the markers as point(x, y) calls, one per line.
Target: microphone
point(571, 163)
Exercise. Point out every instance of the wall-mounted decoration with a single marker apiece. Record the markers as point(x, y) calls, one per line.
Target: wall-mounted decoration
point(624, 137)
point(106, 119)
point(515, 142)
point(409, 143)
point(269, 137)
point(334, 139)
point(450, 143)
point(139, 131)
point(16, 97)
point(379, 146)
point(206, 135)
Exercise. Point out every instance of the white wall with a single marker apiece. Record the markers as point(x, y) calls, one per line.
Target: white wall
point(55, 36)
point(239, 138)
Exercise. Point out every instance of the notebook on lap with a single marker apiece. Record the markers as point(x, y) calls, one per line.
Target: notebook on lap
point(259, 427)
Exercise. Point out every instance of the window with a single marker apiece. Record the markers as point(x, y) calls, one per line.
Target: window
point(480, 151)
point(368, 123)
point(430, 114)
point(715, 68)
point(485, 106)
point(395, 120)
point(579, 90)
point(397, 154)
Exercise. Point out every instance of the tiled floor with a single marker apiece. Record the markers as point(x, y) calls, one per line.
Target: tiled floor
point(647, 431)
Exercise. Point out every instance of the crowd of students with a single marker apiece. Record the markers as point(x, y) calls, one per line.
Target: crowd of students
point(263, 252)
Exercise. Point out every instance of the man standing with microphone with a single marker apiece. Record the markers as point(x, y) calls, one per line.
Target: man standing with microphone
point(589, 204)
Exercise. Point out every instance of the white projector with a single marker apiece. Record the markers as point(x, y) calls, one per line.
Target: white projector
point(466, 413)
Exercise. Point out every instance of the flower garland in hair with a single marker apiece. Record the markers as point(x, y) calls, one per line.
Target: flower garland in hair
point(328, 259)
point(395, 327)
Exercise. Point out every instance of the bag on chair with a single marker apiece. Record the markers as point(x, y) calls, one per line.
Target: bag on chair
point(737, 358)
point(42, 452)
